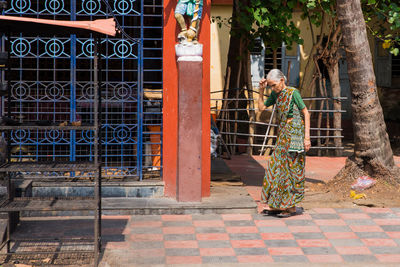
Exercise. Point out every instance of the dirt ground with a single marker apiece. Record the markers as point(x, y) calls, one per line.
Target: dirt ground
point(337, 195)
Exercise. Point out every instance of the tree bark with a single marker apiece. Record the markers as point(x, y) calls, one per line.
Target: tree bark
point(252, 112)
point(237, 80)
point(333, 72)
point(372, 152)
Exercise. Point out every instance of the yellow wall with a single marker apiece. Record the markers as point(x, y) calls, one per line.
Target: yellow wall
point(220, 46)
point(219, 49)
point(306, 49)
point(306, 64)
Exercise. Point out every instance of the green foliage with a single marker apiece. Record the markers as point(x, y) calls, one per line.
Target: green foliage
point(383, 20)
point(272, 21)
point(269, 20)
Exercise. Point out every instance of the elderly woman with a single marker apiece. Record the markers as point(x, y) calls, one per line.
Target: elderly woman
point(283, 186)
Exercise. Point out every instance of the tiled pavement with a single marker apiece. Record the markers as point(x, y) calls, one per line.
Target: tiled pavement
point(370, 235)
point(320, 237)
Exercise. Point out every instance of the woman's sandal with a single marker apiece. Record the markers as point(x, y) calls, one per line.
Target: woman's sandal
point(286, 214)
point(271, 212)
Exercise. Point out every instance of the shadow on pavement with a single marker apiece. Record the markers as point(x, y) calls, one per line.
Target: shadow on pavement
point(59, 235)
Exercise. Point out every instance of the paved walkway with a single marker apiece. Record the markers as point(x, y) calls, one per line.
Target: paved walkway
point(319, 237)
point(354, 236)
point(370, 235)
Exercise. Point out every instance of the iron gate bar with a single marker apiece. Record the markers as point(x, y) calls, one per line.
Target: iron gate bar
point(274, 136)
point(276, 125)
point(272, 146)
point(244, 134)
point(54, 239)
point(247, 109)
point(53, 252)
point(140, 97)
point(232, 99)
point(304, 98)
point(251, 122)
point(73, 79)
point(325, 98)
point(97, 146)
point(8, 133)
point(128, 156)
point(45, 204)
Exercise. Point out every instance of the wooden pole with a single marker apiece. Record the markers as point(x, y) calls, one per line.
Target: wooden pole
point(252, 112)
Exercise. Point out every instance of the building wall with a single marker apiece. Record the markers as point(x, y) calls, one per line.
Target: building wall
point(219, 49)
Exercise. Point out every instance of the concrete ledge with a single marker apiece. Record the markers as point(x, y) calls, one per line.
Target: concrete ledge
point(223, 199)
point(109, 189)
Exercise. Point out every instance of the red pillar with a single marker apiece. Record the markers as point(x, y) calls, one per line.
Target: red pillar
point(189, 130)
point(170, 100)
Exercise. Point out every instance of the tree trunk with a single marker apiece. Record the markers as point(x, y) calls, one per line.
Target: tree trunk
point(252, 112)
point(231, 82)
point(372, 152)
point(237, 50)
point(333, 72)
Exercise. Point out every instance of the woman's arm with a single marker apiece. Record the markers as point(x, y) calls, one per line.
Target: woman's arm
point(261, 88)
point(307, 142)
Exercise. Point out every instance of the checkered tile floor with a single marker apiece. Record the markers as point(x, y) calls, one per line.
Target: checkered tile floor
point(318, 236)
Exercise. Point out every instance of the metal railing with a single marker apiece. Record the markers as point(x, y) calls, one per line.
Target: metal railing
point(262, 136)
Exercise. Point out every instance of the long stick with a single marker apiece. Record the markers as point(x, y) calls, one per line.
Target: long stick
point(237, 97)
point(267, 132)
point(327, 115)
point(268, 151)
point(272, 130)
point(225, 94)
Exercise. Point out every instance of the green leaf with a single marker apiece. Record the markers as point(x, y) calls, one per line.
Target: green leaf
point(311, 5)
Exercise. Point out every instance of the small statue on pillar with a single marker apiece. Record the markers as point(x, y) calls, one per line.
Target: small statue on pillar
point(193, 9)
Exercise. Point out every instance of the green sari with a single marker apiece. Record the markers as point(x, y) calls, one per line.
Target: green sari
point(283, 185)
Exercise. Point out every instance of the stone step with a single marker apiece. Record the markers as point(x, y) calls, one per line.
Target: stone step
point(138, 189)
point(223, 199)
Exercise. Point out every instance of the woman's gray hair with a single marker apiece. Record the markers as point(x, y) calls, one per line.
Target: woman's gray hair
point(276, 75)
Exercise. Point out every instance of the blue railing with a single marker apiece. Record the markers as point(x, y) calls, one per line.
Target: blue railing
point(51, 81)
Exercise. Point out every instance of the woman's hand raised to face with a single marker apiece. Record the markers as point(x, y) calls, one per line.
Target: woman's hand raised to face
point(263, 84)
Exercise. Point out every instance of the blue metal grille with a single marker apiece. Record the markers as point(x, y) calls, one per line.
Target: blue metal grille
point(52, 81)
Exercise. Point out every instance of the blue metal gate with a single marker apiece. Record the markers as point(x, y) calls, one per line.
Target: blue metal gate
point(51, 82)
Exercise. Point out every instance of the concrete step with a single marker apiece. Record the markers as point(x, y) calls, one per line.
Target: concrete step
point(121, 189)
point(223, 199)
